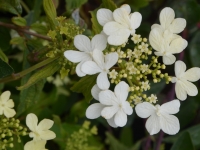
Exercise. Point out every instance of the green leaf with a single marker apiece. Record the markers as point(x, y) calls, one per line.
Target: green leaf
point(17, 41)
point(80, 107)
point(11, 6)
point(19, 21)
point(114, 143)
point(73, 4)
point(39, 28)
point(155, 87)
point(4, 39)
point(5, 69)
point(3, 56)
point(84, 86)
point(50, 11)
point(96, 27)
point(43, 73)
point(109, 4)
point(137, 4)
point(126, 136)
point(184, 142)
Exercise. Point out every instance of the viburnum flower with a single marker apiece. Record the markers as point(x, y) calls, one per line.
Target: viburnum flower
point(94, 110)
point(169, 25)
point(35, 145)
point(120, 24)
point(166, 48)
point(183, 80)
point(160, 116)
point(101, 64)
point(86, 47)
point(39, 131)
point(6, 105)
point(116, 105)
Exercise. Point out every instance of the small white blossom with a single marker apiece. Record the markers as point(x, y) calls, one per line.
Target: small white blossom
point(129, 64)
point(129, 54)
point(120, 53)
point(144, 68)
point(116, 105)
point(122, 26)
point(39, 131)
point(143, 47)
point(145, 85)
point(86, 47)
point(113, 74)
point(132, 70)
point(136, 38)
point(137, 100)
point(152, 98)
point(101, 64)
point(35, 145)
point(160, 117)
point(137, 53)
point(6, 105)
point(183, 80)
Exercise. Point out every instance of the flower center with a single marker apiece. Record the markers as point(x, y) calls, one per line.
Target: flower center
point(158, 113)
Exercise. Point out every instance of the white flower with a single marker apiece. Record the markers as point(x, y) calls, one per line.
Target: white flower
point(86, 47)
point(143, 47)
point(129, 54)
point(94, 110)
point(120, 53)
point(6, 105)
point(160, 117)
point(166, 48)
point(137, 100)
point(183, 80)
point(137, 53)
point(104, 16)
point(145, 85)
point(113, 74)
point(124, 24)
point(116, 105)
point(144, 68)
point(40, 131)
point(101, 64)
point(152, 98)
point(35, 145)
point(168, 22)
point(132, 70)
point(136, 38)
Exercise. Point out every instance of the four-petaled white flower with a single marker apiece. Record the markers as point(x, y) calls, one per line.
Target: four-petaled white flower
point(83, 43)
point(116, 105)
point(6, 105)
point(40, 131)
point(183, 80)
point(101, 64)
point(169, 25)
point(35, 145)
point(160, 116)
point(119, 24)
point(166, 48)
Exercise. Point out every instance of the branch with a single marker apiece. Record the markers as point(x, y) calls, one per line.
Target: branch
point(11, 26)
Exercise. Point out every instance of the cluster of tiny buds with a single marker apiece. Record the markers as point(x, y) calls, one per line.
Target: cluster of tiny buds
point(10, 128)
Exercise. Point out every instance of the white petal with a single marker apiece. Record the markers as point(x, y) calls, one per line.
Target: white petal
point(10, 103)
point(121, 91)
point(111, 122)
point(99, 42)
point(35, 145)
point(117, 40)
point(169, 59)
point(31, 121)
point(110, 60)
point(181, 93)
point(47, 135)
point(120, 118)
point(82, 43)
point(108, 112)
point(136, 19)
point(120, 15)
point(99, 58)
point(94, 111)
point(190, 88)
point(127, 108)
point(76, 56)
point(166, 17)
point(156, 26)
point(178, 45)
point(107, 97)
point(169, 124)
point(8, 112)
point(90, 67)
point(171, 107)
point(177, 25)
point(102, 81)
point(113, 28)
point(95, 92)
point(153, 125)
point(104, 16)
point(5, 96)
point(192, 74)
point(45, 124)
point(144, 109)
point(79, 72)
point(127, 8)
point(180, 68)
point(155, 38)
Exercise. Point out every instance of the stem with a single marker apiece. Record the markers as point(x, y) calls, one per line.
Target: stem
point(148, 143)
point(11, 26)
point(25, 6)
point(16, 76)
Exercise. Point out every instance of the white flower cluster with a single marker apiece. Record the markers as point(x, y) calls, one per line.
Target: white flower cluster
point(39, 132)
point(114, 106)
